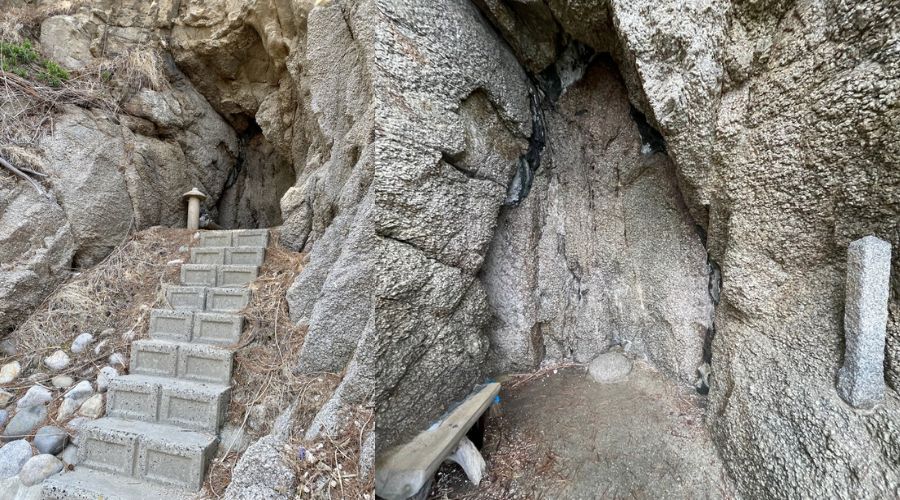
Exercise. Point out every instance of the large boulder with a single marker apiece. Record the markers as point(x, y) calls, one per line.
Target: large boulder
point(36, 250)
point(84, 154)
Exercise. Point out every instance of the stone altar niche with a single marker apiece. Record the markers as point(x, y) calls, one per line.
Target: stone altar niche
point(861, 379)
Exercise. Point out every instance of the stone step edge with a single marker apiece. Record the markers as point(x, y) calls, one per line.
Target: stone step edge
point(83, 483)
point(126, 448)
point(182, 353)
point(185, 326)
point(205, 305)
point(129, 397)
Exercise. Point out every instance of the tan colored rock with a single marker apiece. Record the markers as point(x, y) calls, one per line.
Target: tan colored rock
point(67, 40)
point(9, 372)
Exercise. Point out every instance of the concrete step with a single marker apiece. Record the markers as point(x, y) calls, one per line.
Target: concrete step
point(195, 326)
point(186, 298)
point(89, 484)
point(160, 454)
point(199, 406)
point(213, 275)
point(199, 274)
point(235, 238)
point(217, 328)
point(235, 276)
point(208, 255)
point(235, 256)
point(197, 362)
point(227, 300)
point(169, 324)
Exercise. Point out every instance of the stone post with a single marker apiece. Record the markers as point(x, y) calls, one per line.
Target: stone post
point(861, 379)
point(194, 197)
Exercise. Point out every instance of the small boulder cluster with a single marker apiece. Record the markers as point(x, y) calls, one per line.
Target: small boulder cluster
point(38, 426)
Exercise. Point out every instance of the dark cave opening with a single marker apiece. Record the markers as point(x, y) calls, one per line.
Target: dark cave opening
point(251, 196)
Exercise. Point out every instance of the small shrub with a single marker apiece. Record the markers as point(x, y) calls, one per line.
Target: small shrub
point(53, 74)
point(18, 54)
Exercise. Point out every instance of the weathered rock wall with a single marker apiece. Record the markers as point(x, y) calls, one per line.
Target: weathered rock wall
point(602, 252)
point(778, 117)
point(453, 116)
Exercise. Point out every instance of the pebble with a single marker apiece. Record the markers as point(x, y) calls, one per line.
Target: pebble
point(9, 372)
point(76, 423)
point(5, 397)
point(50, 439)
point(118, 358)
point(104, 376)
point(610, 367)
point(24, 422)
point(67, 408)
point(69, 456)
point(176, 262)
point(57, 361)
point(93, 407)
point(80, 392)
point(82, 342)
point(62, 381)
point(257, 417)
point(4, 416)
point(13, 456)
point(99, 347)
point(233, 439)
point(38, 468)
point(36, 395)
point(7, 348)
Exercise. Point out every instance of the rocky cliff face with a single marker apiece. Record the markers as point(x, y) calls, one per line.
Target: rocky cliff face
point(777, 119)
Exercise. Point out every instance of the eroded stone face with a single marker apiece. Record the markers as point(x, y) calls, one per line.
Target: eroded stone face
point(439, 185)
point(603, 252)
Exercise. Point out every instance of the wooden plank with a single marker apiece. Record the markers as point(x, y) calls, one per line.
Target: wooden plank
point(402, 471)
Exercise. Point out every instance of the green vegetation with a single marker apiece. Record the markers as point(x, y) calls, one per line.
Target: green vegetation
point(17, 54)
point(21, 59)
point(53, 74)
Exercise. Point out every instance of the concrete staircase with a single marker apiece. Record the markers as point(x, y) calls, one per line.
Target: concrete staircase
point(160, 432)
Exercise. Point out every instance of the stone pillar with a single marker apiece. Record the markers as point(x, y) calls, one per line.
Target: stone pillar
point(194, 197)
point(861, 379)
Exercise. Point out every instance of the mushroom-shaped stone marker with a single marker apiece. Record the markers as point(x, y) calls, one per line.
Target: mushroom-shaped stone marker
point(194, 197)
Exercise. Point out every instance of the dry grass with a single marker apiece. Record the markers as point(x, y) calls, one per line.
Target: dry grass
point(28, 105)
point(112, 301)
point(115, 294)
point(329, 466)
point(264, 381)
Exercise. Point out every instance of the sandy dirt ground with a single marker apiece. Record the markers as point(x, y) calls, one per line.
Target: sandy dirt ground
point(563, 435)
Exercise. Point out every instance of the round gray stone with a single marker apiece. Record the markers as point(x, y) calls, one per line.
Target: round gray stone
point(62, 381)
point(610, 367)
point(13, 456)
point(38, 468)
point(69, 456)
point(81, 342)
point(36, 395)
point(57, 361)
point(50, 439)
point(80, 392)
point(24, 422)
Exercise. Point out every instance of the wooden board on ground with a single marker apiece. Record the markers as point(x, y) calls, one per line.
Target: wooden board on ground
point(404, 469)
